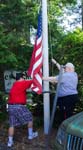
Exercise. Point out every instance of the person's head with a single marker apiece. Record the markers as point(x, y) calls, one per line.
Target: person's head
point(19, 76)
point(69, 67)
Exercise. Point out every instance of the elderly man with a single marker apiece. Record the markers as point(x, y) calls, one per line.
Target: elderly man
point(67, 94)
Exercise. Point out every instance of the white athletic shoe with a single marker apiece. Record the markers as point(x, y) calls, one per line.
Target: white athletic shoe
point(34, 135)
point(10, 144)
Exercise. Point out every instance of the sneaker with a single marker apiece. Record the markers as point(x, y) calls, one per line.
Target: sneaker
point(9, 144)
point(34, 135)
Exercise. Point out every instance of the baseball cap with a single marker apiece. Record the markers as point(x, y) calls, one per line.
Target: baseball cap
point(70, 65)
point(19, 75)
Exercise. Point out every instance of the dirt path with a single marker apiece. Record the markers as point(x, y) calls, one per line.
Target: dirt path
point(22, 143)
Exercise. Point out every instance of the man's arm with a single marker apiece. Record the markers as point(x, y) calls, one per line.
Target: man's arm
point(56, 63)
point(50, 79)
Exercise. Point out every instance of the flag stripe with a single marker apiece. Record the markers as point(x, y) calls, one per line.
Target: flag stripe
point(39, 40)
point(38, 62)
point(38, 51)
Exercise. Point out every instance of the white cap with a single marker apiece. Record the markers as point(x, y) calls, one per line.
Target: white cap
point(70, 65)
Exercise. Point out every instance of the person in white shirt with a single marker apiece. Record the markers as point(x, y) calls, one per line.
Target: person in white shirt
point(67, 93)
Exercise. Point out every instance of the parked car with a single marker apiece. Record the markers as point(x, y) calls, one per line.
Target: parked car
point(70, 134)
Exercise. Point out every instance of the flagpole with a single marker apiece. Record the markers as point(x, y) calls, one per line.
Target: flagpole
point(45, 66)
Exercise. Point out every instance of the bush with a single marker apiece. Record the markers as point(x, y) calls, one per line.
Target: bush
point(3, 102)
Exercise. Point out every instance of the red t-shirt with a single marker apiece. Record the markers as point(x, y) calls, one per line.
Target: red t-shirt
point(18, 92)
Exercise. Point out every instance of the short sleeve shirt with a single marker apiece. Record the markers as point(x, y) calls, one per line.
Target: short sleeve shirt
point(18, 92)
point(68, 84)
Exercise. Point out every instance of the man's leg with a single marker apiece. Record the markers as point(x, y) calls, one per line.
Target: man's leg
point(61, 107)
point(25, 117)
point(31, 134)
point(10, 136)
point(69, 103)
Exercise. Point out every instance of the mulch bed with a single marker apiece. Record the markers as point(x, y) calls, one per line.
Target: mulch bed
point(22, 143)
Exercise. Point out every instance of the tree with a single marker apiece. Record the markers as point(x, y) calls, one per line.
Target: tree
point(16, 18)
point(15, 47)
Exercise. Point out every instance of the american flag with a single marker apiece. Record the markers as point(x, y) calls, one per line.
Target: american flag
point(35, 69)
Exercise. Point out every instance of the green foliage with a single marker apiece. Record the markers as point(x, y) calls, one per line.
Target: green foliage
point(71, 48)
point(16, 18)
point(3, 102)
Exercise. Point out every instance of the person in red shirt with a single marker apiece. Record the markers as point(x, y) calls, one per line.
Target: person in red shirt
point(18, 112)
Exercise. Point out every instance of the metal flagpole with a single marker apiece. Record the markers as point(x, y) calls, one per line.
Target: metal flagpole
point(54, 109)
point(45, 66)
